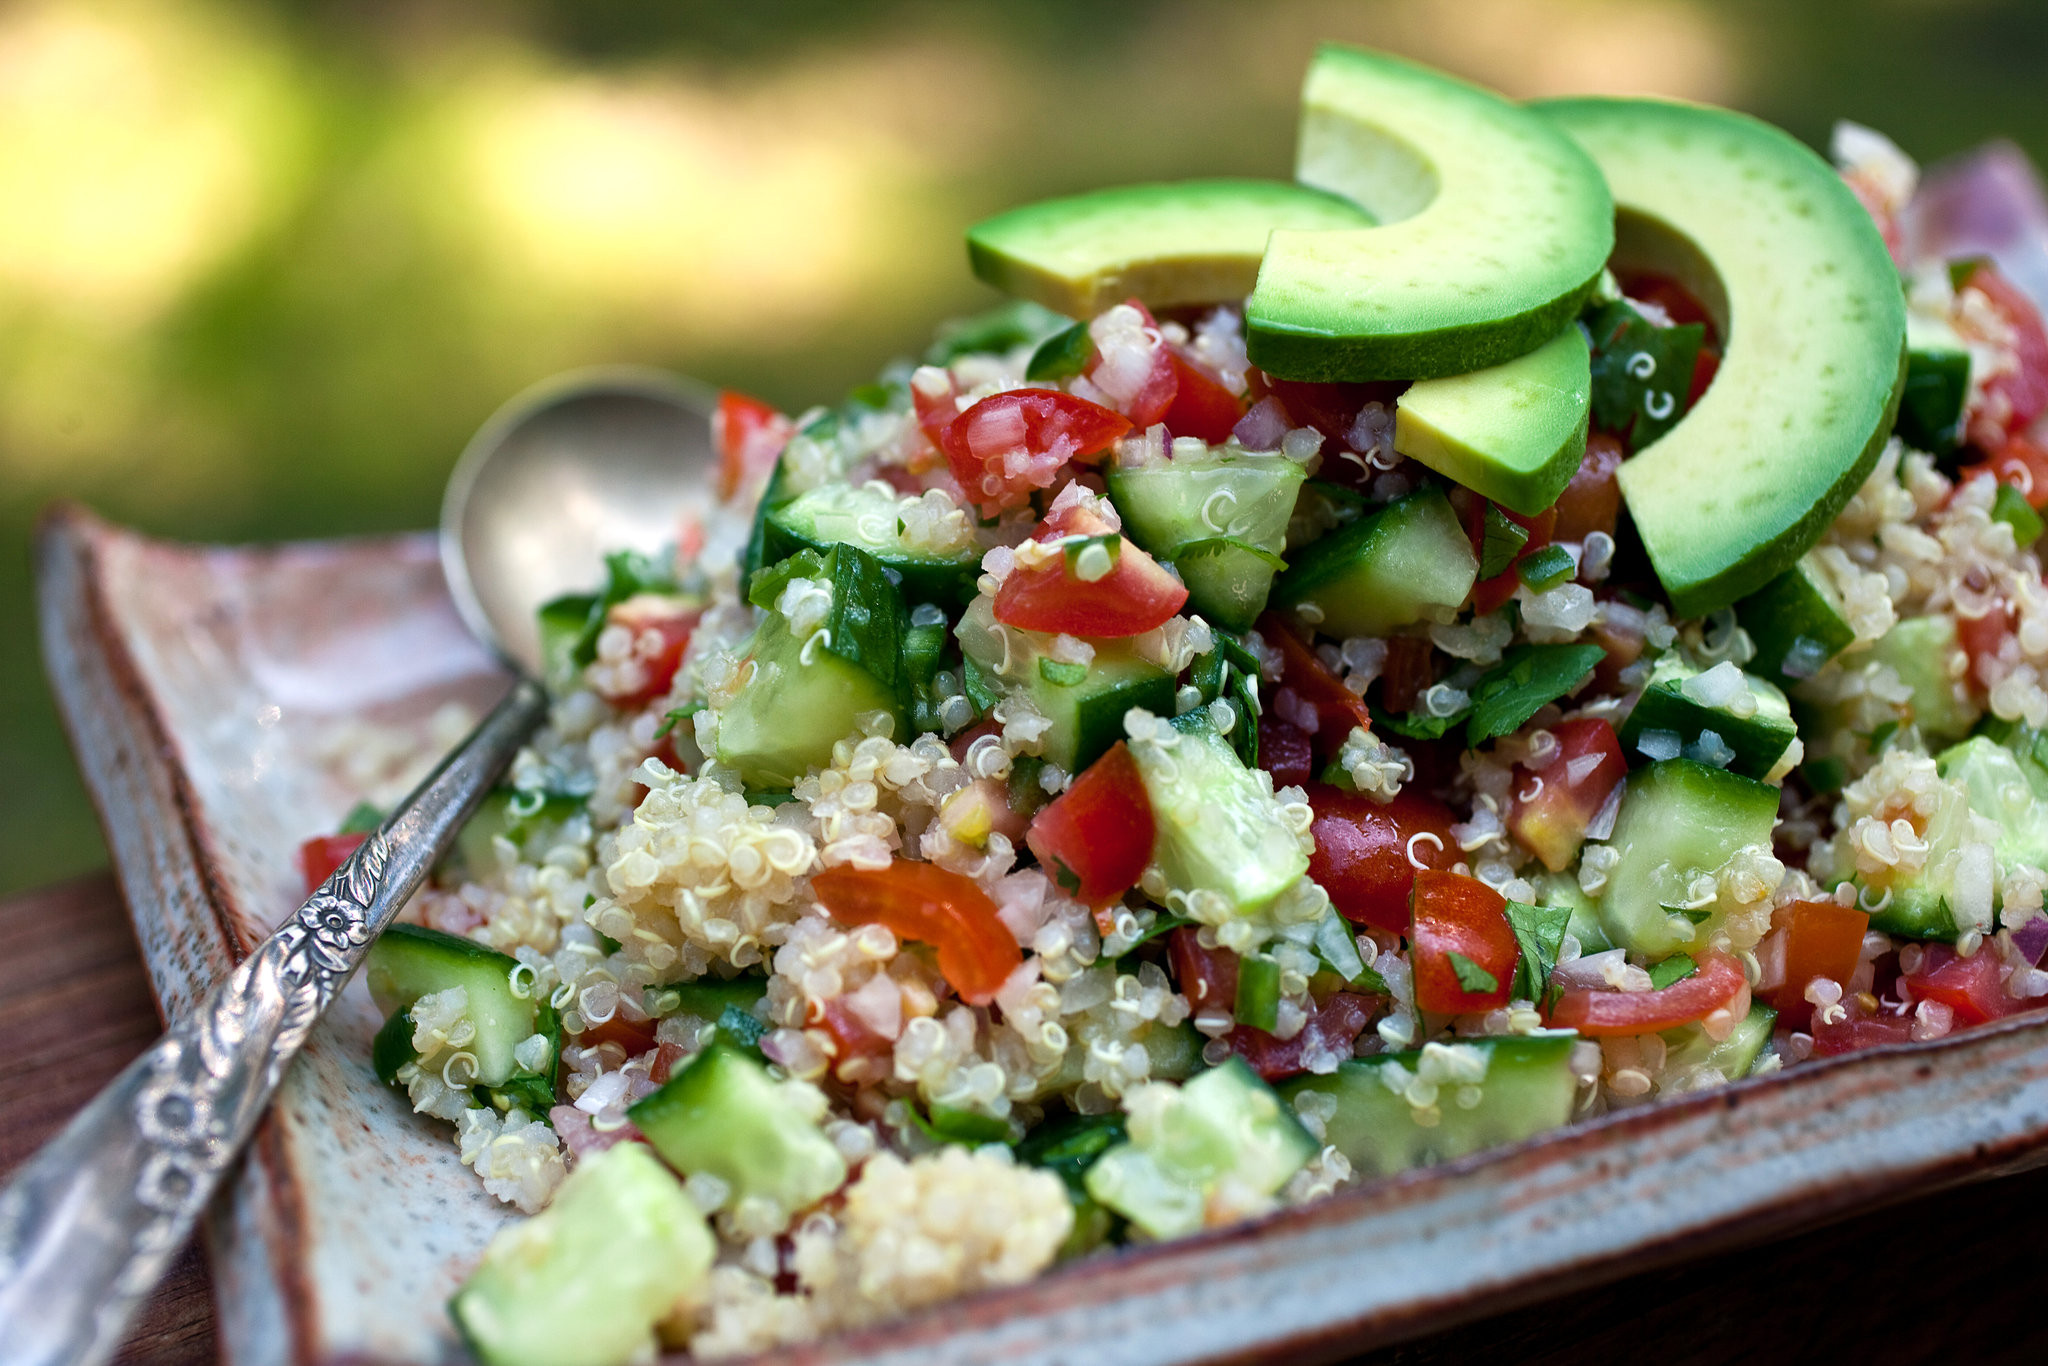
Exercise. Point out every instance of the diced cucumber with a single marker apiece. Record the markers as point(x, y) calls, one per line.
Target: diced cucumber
point(869, 516)
point(724, 1114)
point(1937, 385)
point(2010, 506)
point(1087, 714)
point(410, 961)
point(587, 1279)
point(1797, 623)
point(1679, 820)
point(1175, 1051)
point(1224, 1125)
point(1690, 1047)
point(1220, 517)
point(1562, 889)
point(561, 627)
point(1671, 704)
point(532, 819)
point(1220, 829)
point(1528, 1088)
point(1931, 662)
point(1068, 1147)
point(1410, 561)
point(707, 998)
point(1915, 912)
point(804, 695)
point(1999, 790)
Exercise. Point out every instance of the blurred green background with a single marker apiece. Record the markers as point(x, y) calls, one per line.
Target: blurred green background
point(264, 268)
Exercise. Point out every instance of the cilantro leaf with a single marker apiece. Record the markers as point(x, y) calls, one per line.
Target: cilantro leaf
point(1526, 678)
point(1416, 725)
point(1539, 934)
point(1472, 977)
point(1676, 968)
point(1069, 881)
point(741, 1027)
point(682, 713)
point(1642, 373)
point(1546, 568)
point(1062, 355)
point(1500, 540)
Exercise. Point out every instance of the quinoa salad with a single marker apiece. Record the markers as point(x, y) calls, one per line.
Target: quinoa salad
point(1333, 677)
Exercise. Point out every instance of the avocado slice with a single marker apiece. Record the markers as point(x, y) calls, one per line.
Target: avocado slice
point(1807, 301)
point(1187, 242)
point(1514, 432)
point(1497, 227)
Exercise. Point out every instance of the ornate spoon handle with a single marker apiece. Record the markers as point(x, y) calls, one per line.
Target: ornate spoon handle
point(89, 1224)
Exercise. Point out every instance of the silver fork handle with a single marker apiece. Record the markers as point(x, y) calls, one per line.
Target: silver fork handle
point(89, 1224)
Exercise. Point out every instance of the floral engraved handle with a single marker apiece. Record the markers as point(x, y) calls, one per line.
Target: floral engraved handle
point(89, 1224)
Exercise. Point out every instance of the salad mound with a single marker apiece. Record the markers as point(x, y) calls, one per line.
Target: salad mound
point(1130, 773)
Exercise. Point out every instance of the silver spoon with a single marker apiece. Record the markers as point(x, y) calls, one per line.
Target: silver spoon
point(593, 461)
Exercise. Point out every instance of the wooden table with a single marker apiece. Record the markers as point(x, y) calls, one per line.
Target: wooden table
point(1947, 1277)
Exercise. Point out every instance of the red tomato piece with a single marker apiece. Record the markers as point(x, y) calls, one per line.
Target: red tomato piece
point(1201, 406)
point(322, 854)
point(934, 906)
point(1311, 689)
point(1334, 1026)
point(1624, 645)
point(1012, 444)
point(1368, 854)
point(1705, 366)
point(1489, 594)
point(1408, 673)
point(854, 1037)
point(2009, 400)
point(748, 434)
point(1132, 598)
point(1450, 913)
point(1983, 638)
point(1552, 809)
point(1973, 987)
point(1155, 397)
point(935, 397)
point(1860, 1028)
point(661, 625)
point(1592, 501)
point(1096, 837)
point(1822, 939)
point(2020, 462)
point(1286, 751)
point(635, 1036)
point(1207, 977)
point(1331, 409)
point(1715, 985)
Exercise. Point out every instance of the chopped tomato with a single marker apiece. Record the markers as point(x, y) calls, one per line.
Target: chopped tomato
point(934, 906)
point(1201, 406)
point(1286, 751)
point(1973, 987)
point(666, 1056)
point(2010, 399)
point(1133, 597)
point(853, 1037)
point(964, 741)
point(1552, 809)
point(1705, 366)
point(1623, 641)
point(661, 625)
point(322, 854)
point(1309, 690)
point(1334, 1027)
point(2021, 462)
point(1408, 673)
point(1156, 396)
point(1368, 853)
point(635, 1036)
point(749, 434)
point(1861, 1027)
point(1331, 409)
point(1489, 594)
point(1012, 444)
point(1207, 977)
point(1095, 838)
point(1983, 638)
point(1453, 914)
point(935, 398)
point(1716, 984)
point(1592, 501)
point(1822, 939)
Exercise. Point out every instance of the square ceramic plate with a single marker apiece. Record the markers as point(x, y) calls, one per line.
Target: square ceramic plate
point(225, 703)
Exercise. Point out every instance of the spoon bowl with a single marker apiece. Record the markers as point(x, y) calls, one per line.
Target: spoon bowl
point(585, 463)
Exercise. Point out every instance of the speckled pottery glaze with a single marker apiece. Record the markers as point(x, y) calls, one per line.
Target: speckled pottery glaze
point(203, 687)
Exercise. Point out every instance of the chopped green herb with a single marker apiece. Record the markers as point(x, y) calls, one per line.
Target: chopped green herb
point(977, 687)
point(1062, 355)
point(1417, 725)
point(1258, 992)
point(1501, 539)
point(1526, 678)
point(1217, 545)
point(1676, 968)
point(1005, 327)
point(1069, 881)
point(2010, 506)
point(1882, 734)
point(682, 713)
point(1642, 373)
point(1539, 934)
point(771, 797)
point(1472, 977)
point(741, 1027)
point(362, 819)
point(1963, 267)
point(1545, 569)
point(1825, 776)
point(1070, 1145)
point(1061, 675)
point(1027, 793)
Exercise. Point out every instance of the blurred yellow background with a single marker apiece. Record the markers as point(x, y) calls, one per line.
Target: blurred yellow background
point(264, 268)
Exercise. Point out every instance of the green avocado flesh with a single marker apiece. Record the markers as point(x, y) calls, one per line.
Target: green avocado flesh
point(1495, 229)
point(1188, 242)
point(1515, 432)
point(1813, 327)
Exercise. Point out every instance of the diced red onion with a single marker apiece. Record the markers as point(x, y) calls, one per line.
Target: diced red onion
point(1263, 428)
point(2031, 939)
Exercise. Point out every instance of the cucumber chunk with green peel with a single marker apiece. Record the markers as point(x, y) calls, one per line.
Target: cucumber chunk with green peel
point(1525, 1087)
point(532, 819)
point(707, 998)
point(410, 961)
point(1680, 822)
point(1410, 561)
point(1690, 1048)
point(1224, 1125)
point(1186, 242)
point(1562, 889)
point(1797, 622)
point(1748, 719)
point(803, 694)
point(1930, 660)
point(1937, 386)
point(1496, 229)
point(1514, 432)
point(1221, 518)
point(872, 517)
point(725, 1115)
point(1087, 712)
point(588, 1278)
point(1221, 834)
point(1806, 301)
